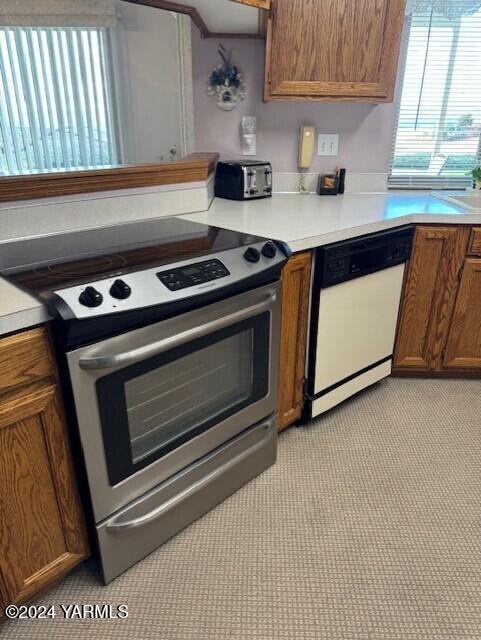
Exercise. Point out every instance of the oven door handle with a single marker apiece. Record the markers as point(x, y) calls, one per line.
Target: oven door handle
point(147, 351)
point(119, 526)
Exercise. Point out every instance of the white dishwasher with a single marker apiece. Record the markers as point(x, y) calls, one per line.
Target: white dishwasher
point(355, 307)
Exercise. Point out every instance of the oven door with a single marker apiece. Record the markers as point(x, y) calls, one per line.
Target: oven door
point(152, 401)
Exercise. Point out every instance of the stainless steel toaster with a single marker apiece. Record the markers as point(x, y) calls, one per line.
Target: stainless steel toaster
point(243, 180)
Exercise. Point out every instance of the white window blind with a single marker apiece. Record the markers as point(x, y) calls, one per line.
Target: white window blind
point(437, 139)
point(56, 106)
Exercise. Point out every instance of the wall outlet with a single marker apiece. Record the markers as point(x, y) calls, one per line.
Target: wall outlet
point(328, 145)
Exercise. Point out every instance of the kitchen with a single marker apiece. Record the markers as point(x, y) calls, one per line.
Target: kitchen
point(168, 318)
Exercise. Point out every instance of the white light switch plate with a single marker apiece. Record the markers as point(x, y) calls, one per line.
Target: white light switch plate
point(328, 145)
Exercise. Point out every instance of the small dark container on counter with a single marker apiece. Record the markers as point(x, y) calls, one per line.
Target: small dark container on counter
point(328, 184)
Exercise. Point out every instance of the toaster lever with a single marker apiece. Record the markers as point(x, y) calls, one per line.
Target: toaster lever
point(268, 174)
point(252, 181)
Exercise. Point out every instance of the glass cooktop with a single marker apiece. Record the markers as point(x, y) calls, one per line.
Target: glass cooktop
point(53, 262)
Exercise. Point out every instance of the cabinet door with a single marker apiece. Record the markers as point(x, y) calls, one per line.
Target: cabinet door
point(430, 291)
point(296, 279)
point(41, 522)
point(463, 349)
point(344, 50)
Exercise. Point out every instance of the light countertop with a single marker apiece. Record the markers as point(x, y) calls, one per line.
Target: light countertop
point(308, 221)
point(19, 310)
point(303, 222)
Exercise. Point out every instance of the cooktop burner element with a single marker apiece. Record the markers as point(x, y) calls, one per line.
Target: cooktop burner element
point(99, 272)
point(82, 269)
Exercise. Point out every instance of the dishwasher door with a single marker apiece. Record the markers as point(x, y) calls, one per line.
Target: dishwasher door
point(355, 335)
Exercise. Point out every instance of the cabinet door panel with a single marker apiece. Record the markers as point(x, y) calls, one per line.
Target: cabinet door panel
point(463, 350)
point(296, 280)
point(429, 296)
point(336, 49)
point(40, 517)
point(475, 242)
point(25, 359)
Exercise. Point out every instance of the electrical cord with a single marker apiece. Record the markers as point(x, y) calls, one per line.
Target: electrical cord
point(303, 189)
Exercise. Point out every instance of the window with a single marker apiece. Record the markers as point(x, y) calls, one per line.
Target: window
point(56, 100)
point(438, 136)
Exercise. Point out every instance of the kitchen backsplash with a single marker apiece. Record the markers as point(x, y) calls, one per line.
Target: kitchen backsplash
point(288, 182)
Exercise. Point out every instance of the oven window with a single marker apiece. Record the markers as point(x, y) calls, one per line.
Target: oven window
point(168, 403)
point(149, 409)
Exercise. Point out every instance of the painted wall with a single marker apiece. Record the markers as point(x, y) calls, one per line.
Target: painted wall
point(366, 131)
point(147, 70)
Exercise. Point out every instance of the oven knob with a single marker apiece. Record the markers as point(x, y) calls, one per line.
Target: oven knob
point(252, 255)
point(90, 297)
point(120, 290)
point(269, 250)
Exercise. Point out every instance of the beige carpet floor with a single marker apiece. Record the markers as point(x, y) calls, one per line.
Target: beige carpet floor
point(367, 528)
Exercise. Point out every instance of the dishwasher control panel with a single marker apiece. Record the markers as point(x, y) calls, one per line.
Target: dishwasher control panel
point(344, 261)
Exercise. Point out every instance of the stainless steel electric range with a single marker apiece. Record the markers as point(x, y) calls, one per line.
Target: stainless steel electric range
point(168, 332)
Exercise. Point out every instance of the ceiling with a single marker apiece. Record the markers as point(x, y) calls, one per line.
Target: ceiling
point(225, 16)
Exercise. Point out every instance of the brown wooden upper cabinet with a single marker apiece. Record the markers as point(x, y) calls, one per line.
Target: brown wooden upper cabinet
point(333, 50)
point(260, 4)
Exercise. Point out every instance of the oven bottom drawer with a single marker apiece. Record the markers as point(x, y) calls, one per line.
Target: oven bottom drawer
point(138, 529)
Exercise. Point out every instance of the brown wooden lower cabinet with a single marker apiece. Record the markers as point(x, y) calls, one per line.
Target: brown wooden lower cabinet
point(430, 291)
point(296, 279)
point(439, 329)
point(463, 348)
point(42, 532)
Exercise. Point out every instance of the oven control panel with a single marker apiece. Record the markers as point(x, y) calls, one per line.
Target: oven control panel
point(193, 274)
point(126, 291)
